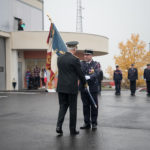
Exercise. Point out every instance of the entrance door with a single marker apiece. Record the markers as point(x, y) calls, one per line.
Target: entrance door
point(19, 75)
point(2, 64)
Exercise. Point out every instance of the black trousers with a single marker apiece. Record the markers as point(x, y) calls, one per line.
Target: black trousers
point(67, 101)
point(43, 83)
point(148, 86)
point(100, 87)
point(117, 86)
point(133, 86)
point(37, 81)
point(90, 113)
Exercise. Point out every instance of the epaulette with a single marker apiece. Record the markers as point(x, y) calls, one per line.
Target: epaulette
point(82, 61)
point(97, 63)
point(76, 56)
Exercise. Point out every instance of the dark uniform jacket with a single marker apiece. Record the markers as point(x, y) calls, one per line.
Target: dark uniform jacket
point(147, 74)
point(132, 74)
point(69, 71)
point(100, 78)
point(93, 81)
point(117, 75)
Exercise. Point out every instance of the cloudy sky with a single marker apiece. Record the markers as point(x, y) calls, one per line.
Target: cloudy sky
point(115, 19)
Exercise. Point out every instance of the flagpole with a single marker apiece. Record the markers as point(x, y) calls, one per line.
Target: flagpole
point(47, 85)
point(49, 18)
point(54, 42)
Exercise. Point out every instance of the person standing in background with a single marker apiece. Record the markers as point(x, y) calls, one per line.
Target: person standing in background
point(42, 76)
point(21, 25)
point(27, 76)
point(132, 76)
point(147, 78)
point(117, 78)
point(37, 76)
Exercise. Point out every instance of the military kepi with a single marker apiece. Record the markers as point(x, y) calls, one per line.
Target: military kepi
point(72, 43)
point(88, 51)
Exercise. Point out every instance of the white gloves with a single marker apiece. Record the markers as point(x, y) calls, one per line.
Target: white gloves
point(87, 77)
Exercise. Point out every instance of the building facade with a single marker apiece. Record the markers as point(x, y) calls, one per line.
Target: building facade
point(30, 11)
point(11, 12)
point(23, 50)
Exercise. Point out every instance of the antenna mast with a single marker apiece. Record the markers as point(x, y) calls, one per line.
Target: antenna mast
point(79, 17)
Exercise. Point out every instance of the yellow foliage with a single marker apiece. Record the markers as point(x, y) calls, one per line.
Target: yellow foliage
point(132, 52)
point(109, 70)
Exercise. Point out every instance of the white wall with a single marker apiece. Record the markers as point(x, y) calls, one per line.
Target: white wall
point(9, 9)
point(5, 14)
point(22, 41)
point(37, 40)
point(31, 16)
point(14, 67)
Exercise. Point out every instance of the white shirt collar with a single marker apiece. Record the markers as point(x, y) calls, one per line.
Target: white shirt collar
point(88, 62)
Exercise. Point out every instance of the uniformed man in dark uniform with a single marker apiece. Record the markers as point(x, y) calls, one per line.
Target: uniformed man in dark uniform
point(91, 70)
point(69, 71)
point(147, 78)
point(117, 78)
point(132, 76)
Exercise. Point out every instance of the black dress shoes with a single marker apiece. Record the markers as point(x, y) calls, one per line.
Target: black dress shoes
point(86, 126)
point(74, 132)
point(117, 93)
point(94, 126)
point(132, 94)
point(148, 94)
point(59, 130)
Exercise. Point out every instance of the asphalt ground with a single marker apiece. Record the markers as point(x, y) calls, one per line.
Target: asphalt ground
point(28, 122)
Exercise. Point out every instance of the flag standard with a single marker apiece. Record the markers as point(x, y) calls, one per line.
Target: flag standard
point(56, 48)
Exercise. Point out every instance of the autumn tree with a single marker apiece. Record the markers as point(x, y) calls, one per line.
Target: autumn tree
point(109, 71)
point(132, 52)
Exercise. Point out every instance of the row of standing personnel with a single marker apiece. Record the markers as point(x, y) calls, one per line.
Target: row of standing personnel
point(132, 76)
point(70, 69)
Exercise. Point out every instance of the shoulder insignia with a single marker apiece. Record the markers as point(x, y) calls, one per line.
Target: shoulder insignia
point(76, 56)
point(62, 52)
point(83, 61)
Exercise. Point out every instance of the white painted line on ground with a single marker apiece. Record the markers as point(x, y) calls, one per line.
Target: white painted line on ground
point(26, 93)
point(3, 96)
point(123, 94)
point(20, 93)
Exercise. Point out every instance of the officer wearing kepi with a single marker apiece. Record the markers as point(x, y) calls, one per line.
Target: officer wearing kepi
point(117, 78)
point(69, 71)
point(91, 70)
point(132, 76)
point(147, 78)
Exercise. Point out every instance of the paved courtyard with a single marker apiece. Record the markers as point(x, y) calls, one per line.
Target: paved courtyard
point(28, 122)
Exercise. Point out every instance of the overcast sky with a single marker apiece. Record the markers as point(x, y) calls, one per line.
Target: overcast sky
point(115, 19)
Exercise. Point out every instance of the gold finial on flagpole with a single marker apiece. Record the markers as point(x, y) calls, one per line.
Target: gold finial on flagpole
point(49, 18)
